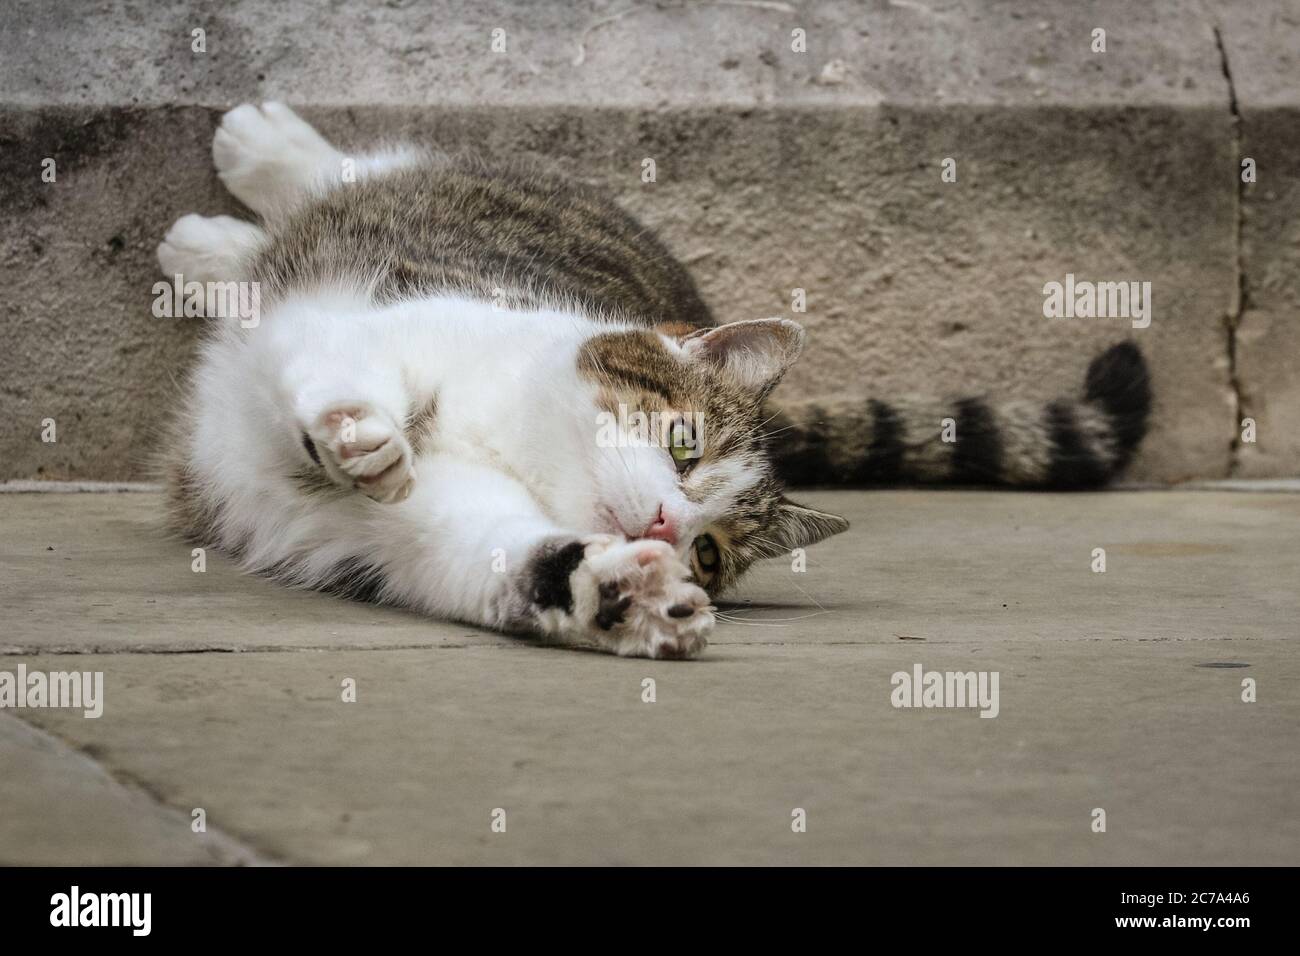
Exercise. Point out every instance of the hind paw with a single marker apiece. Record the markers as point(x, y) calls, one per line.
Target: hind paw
point(207, 248)
point(269, 157)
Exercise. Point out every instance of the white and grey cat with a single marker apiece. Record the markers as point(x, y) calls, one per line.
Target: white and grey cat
point(490, 395)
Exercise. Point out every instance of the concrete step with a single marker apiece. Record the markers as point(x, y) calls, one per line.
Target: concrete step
point(776, 170)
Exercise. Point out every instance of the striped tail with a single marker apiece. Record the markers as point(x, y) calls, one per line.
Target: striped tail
point(1069, 443)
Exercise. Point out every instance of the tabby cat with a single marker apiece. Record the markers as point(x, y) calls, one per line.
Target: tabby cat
point(490, 395)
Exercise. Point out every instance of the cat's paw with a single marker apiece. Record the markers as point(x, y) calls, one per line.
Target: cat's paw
point(361, 447)
point(638, 600)
point(269, 157)
point(207, 248)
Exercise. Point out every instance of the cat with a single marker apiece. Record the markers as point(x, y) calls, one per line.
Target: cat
point(489, 394)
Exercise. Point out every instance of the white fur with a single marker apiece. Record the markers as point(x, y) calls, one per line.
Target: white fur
point(512, 463)
point(208, 248)
point(272, 160)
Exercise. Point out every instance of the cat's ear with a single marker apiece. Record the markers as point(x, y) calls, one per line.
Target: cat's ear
point(754, 354)
point(798, 527)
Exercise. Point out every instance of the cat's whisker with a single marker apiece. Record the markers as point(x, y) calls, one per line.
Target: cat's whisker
point(765, 436)
point(731, 618)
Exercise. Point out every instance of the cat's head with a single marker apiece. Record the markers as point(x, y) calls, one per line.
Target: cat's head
point(679, 444)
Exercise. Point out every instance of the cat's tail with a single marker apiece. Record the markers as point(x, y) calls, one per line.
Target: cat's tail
point(1078, 442)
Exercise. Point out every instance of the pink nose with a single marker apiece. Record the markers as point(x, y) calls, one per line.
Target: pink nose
point(662, 529)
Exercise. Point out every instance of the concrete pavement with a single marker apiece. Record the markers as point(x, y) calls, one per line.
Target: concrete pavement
point(1119, 691)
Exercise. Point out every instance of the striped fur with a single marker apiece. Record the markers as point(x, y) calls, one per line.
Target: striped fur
point(640, 372)
point(1070, 443)
point(512, 234)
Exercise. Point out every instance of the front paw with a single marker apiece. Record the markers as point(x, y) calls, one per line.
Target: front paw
point(361, 447)
point(638, 600)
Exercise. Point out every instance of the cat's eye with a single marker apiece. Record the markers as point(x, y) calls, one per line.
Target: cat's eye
point(682, 445)
point(706, 555)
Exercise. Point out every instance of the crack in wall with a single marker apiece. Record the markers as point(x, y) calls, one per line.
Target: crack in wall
point(1241, 298)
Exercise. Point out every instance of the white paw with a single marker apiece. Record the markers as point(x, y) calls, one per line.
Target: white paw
point(207, 248)
point(270, 158)
point(363, 448)
point(641, 601)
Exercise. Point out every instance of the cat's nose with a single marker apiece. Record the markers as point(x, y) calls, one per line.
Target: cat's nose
point(662, 528)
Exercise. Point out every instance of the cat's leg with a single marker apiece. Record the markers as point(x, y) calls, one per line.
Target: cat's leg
point(209, 248)
point(351, 419)
point(271, 159)
point(361, 446)
point(469, 543)
point(472, 544)
point(634, 598)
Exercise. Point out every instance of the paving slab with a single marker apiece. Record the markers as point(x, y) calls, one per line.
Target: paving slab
point(61, 808)
point(439, 742)
point(1119, 690)
point(96, 573)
